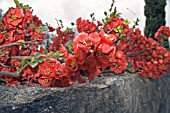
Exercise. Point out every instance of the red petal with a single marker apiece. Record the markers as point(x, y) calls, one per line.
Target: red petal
point(81, 79)
point(106, 48)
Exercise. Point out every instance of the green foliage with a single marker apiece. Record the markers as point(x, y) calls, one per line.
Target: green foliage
point(129, 67)
point(112, 13)
point(155, 16)
point(126, 22)
point(136, 23)
point(16, 3)
point(25, 7)
point(34, 60)
point(92, 17)
point(57, 54)
point(119, 29)
point(59, 23)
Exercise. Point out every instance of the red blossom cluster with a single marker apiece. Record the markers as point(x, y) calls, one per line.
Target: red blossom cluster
point(62, 38)
point(19, 27)
point(148, 57)
point(87, 26)
point(114, 46)
point(96, 51)
point(162, 34)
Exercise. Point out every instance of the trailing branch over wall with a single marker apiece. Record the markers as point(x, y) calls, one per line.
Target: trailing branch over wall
point(155, 16)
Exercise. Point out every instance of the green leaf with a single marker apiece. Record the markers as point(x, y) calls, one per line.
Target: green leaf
point(129, 64)
point(119, 29)
point(160, 56)
point(17, 68)
point(23, 61)
point(45, 51)
point(37, 56)
point(115, 10)
point(112, 4)
point(129, 67)
point(105, 13)
point(16, 3)
point(110, 9)
point(126, 22)
point(25, 7)
point(40, 60)
point(69, 48)
point(91, 15)
point(39, 31)
point(93, 19)
point(32, 58)
point(103, 21)
point(116, 30)
point(57, 54)
point(33, 26)
point(33, 65)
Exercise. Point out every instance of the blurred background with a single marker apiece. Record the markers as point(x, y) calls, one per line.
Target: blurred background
point(69, 10)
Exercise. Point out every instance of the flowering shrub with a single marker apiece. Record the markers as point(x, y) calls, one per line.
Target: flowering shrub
point(111, 45)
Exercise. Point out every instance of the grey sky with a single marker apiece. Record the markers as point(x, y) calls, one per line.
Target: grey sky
point(70, 10)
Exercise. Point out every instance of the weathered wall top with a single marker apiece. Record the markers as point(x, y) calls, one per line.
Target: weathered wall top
point(113, 94)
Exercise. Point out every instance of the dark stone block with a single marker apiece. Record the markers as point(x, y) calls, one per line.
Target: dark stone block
point(113, 94)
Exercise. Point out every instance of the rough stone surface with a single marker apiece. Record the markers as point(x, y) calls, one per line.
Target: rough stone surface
point(113, 94)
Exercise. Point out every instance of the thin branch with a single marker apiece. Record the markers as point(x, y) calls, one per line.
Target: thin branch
point(19, 57)
point(130, 49)
point(57, 22)
point(19, 43)
point(110, 30)
point(16, 74)
point(139, 53)
point(9, 74)
point(4, 65)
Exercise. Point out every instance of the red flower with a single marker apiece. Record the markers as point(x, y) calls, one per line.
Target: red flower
point(71, 63)
point(11, 81)
point(100, 55)
point(66, 81)
point(99, 23)
point(51, 29)
point(110, 39)
point(36, 21)
point(26, 52)
point(14, 51)
point(137, 31)
point(60, 70)
point(80, 54)
point(28, 16)
point(62, 82)
point(46, 69)
point(162, 34)
point(119, 54)
point(15, 63)
point(1, 38)
point(4, 55)
point(118, 62)
point(45, 81)
point(114, 23)
point(93, 73)
point(13, 17)
point(64, 51)
point(85, 41)
point(35, 35)
point(88, 64)
point(28, 73)
point(86, 26)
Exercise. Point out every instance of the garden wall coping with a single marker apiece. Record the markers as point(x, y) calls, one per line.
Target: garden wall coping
point(128, 93)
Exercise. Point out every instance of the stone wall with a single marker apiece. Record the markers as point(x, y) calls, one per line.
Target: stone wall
point(129, 93)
